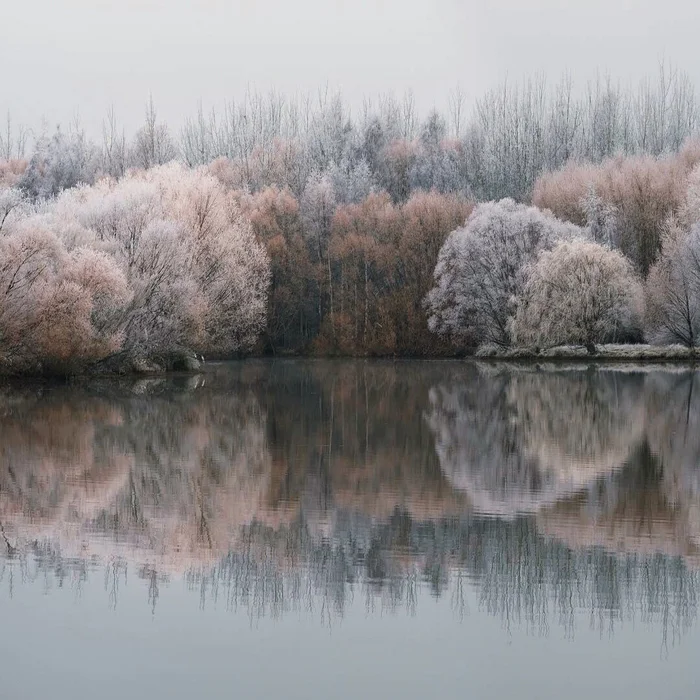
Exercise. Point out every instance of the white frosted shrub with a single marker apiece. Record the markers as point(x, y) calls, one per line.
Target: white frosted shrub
point(579, 293)
point(482, 268)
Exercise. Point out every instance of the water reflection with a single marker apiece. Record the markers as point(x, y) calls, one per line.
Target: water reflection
point(516, 440)
point(299, 485)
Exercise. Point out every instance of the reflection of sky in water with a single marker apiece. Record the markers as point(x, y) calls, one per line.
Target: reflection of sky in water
point(61, 647)
point(401, 528)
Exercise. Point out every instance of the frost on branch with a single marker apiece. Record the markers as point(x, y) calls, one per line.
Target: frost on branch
point(601, 218)
point(579, 293)
point(318, 205)
point(673, 288)
point(57, 309)
point(59, 162)
point(10, 198)
point(482, 268)
point(625, 201)
point(673, 285)
point(156, 261)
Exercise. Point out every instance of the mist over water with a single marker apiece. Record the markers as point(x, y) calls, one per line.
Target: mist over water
point(544, 520)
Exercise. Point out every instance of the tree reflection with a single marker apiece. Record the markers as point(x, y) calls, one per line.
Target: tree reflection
point(161, 472)
point(515, 441)
point(673, 422)
point(302, 486)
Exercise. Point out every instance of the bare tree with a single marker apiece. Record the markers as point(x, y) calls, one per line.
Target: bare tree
point(13, 140)
point(114, 155)
point(152, 144)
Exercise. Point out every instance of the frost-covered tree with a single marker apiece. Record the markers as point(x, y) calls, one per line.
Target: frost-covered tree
point(330, 131)
point(200, 278)
point(10, 199)
point(11, 172)
point(318, 205)
point(632, 196)
point(64, 160)
point(193, 274)
point(58, 308)
point(432, 134)
point(673, 288)
point(352, 183)
point(601, 218)
point(152, 144)
point(579, 293)
point(482, 268)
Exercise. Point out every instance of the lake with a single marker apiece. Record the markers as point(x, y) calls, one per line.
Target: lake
point(342, 529)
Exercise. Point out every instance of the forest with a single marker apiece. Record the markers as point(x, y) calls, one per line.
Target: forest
point(539, 215)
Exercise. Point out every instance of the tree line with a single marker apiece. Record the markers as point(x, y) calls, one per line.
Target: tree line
point(607, 253)
point(307, 229)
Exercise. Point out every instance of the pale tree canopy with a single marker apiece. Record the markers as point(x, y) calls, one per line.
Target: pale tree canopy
point(482, 268)
point(673, 289)
point(158, 260)
point(579, 293)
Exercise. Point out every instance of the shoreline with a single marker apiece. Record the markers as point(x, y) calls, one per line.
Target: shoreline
point(615, 355)
point(610, 353)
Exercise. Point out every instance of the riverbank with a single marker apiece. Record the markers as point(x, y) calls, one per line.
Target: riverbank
point(119, 364)
point(602, 353)
point(185, 361)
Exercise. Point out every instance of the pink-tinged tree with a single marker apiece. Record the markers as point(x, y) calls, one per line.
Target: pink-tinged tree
point(229, 266)
point(58, 310)
point(579, 293)
point(11, 172)
point(396, 162)
point(199, 277)
point(482, 268)
point(275, 217)
point(157, 261)
point(106, 286)
point(30, 261)
point(673, 289)
point(630, 196)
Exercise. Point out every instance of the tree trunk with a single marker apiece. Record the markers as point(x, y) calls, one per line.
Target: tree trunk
point(330, 288)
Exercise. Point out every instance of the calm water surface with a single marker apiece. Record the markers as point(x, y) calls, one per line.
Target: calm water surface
point(347, 529)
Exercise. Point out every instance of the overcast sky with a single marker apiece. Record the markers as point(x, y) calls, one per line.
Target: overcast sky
point(62, 56)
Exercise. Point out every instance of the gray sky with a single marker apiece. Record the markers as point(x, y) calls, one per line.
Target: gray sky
point(62, 56)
